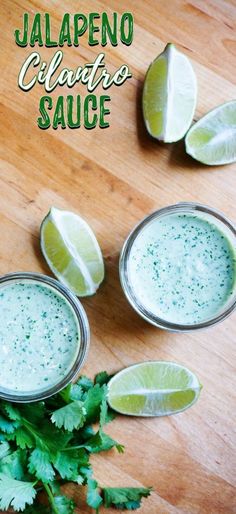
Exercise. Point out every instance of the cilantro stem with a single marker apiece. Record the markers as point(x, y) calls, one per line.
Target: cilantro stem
point(51, 498)
point(70, 448)
point(30, 427)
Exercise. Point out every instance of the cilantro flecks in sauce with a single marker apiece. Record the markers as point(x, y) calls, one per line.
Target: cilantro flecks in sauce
point(182, 268)
point(39, 337)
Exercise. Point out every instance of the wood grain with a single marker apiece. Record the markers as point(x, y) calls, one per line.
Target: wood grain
point(113, 178)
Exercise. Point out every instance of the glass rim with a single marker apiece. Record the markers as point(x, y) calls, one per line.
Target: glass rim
point(123, 268)
point(83, 348)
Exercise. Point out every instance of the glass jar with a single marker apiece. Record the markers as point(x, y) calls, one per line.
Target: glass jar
point(197, 267)
point(63, 299)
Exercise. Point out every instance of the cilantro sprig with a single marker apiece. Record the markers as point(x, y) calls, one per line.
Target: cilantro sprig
point(46, 444)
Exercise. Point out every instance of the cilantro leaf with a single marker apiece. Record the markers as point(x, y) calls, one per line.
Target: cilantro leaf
point(67, 464)
point(48, 438)
point(15, 493)
point(101, 442)
point(22, 437)
point(128, 498)
point(14, 465)
point(63, 505)
point(5, 449)
point(70, 417)
point(11, 410)
point(85, 383)
point(106, 414)
point(71, 393)
point(7, 425)
point(86, 472)
point(84, 434)
point(40, 434)
point(102, 378)
point(72, 464)
point(53, 438)
point(94, 499)
point(40, 465)
point(93, 402)
point(32, 412)
point(55, 487)
point(103, 413)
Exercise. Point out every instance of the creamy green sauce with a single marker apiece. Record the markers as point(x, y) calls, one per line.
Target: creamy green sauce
point(182, 268)
point(39, 337)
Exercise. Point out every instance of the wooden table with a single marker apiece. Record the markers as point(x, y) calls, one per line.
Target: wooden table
point(113, 178)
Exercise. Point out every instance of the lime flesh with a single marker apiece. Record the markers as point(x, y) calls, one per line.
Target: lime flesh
point(72, 251)
point(169, 95)
point(212, 140)
point(156, 388)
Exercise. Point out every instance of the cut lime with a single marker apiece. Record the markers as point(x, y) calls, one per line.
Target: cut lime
point(212, 140)
point(156, 388)
point(72, 251)
point(169, 95)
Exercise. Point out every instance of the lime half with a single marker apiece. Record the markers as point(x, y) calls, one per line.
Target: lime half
point(72, 251)
point(156, 388)
point(212, 140)
point(169, 95)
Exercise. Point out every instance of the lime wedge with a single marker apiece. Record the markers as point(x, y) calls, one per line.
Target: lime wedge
point(212, 140)
point(72, 251)
point(156, 388)
point(169, 95)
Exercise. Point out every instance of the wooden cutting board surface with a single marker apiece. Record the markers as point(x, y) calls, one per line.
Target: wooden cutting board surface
point(113, 178)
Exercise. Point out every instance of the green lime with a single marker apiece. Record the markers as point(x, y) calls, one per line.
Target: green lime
point(169, 95)
point(156, 388)
point(72, 251)
point(212, 140)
